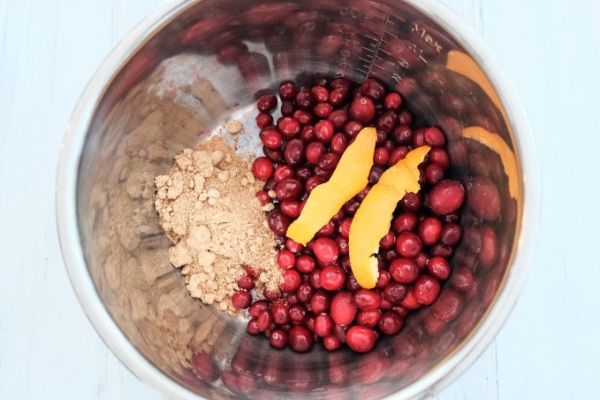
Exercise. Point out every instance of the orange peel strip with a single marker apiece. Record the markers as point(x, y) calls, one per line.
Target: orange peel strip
point(373, 217)
point(497, 144)
point(348, 179)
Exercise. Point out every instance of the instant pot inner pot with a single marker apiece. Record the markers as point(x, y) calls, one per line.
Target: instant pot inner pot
point(180, 86)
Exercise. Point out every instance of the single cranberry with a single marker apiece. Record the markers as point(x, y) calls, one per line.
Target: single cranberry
point(278, 338)
point(392, 101)
point(360, 338)
point(411, 202)
point(324, 130)
point(291, 281)
point(305, 99)
point(291, 208)
point(439, 156)
point(450, 234)
point(429, 230)
point(314, 152)
point(263, 197)
point(390, 323)
point(331, 342)
point(426, 289)
point(483, 198)
point(205, 367)
point(489, 247)
point(271, 138)
point(394, 292)
point(408, 244)
point(264, 320)
point(293, 152)
point(388, 240)
point(362, 109)
point(300, 339)
point(328, 161)
point(282, 172)
point(289, 127)
point(323, 325)
point(305, 263)
point(405, 222)
point(332, 277)
point(339, 118)
point(410, 301)
point(315, 278)
point(252, 327)
point(246, 282)
point(322, 110)
point(439, 268)
point(367, 299)
point(287, 91)
point(434, 136)
point(383, 279)
point(351, 128)
point(326, 249)
point(462, 279)
point(266, 103)
point(262, 168)
point(320, 302)
point(338, 96)
point(289, 189)
point(280, 313)
point(446, 196)
point(297, 313)
point(304, 292)
point(387, 121)
point(263, 120)
point(303, 117)
point(278, 222)
point(448, 305)
point(241, 299)
point(368, 318)
point(399, 153)
point(286, 259)
point(434, 173)
point(339, 143)
point(326, 230)
point(404, 270)
point(343, 308)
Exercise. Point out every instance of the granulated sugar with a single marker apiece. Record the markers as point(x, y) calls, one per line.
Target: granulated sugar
point(208, 208)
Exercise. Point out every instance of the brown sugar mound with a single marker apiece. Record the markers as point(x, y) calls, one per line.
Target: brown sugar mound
point(207, 207)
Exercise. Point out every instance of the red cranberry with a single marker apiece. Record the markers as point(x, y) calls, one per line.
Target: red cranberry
point(433, 136)
point(339, 143)
point(339, 118)
point(390, 323)
point(368, 318)
point(323, 325)
point(263, 321)
point(300, 339)
point(331, 342)
point(305, 99)
point(241, 299)
point(280, 313)
point(339, 96)
point(404, 222)
point(322, 110)
point(426, 289)
point(314, 152)
point(383, 279)
point(304, 292)
point(489, 247)
point(278, 222)
point(297, 313)
point(266, 103)
point(262, 168)
point(392, 101)
point(332, 277)
point(446, 196)
point(246, 282)
point(205, 367)
point(450, 234)
point(404, 270)
point(320, 302)
point(291, 281)
point(462, 279)
point(278, 338)
point(293, 152)
point(362, 109)
point(271, 138)
point(324, 131)
point(394, 292)
point(388, 240)
point(305, 263)
point(483, 198)
point(286, 259)
point(283, 172)
point(439, 268)
point(263, 120)
point(326, 249)
point(289, 189)
point(439, 156)
point(329, 161)
point(448, 305)
point(343, 308)
point(429, 230)
point(408, 244)
point(287, 91)
point(367, 299)
point(360, 339)
point(289, 127)
point(411, 202)
point(291, 208)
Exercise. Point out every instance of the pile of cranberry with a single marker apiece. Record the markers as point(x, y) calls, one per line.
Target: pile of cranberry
point(320, 299)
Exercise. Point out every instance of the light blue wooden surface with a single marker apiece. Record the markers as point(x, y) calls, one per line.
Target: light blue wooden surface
point(548, 349)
